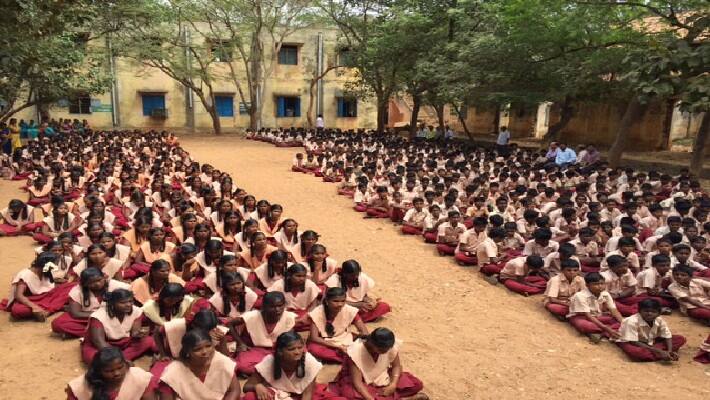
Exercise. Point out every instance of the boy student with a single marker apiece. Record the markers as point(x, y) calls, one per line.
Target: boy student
point(379, 206)
point(562, 287)
point(448, 234)
point(587, 250)
point(692, 294)
point(649, 282)
point(465, 253)
point(524, 275)
point(414, 218)
point(540, 244)
point(592, 311)
point(645, 336)
point(621, 284)
point(626, 250)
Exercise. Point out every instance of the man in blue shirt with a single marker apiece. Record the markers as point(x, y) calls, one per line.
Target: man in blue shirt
point(565, 156)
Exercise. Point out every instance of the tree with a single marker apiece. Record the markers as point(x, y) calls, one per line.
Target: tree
point(364, 27)
point(45, 55)
point(256, 29)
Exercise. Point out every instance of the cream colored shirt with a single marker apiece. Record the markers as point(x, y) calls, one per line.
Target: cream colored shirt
point(636, 329)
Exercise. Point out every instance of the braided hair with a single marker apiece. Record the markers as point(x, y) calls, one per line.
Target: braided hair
point(94, 378)
point(227, 279)
point(290, 272)
point(350, 267)
point(330, 294)
point(85, 278)
point(282, 342)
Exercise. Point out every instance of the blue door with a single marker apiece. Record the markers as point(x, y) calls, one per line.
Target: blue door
point(151, 102)
point(224, 105)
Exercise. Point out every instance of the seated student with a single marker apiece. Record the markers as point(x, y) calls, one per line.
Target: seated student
point(414, 218)
point(226, 263)
point(287, 374)
point(171, 303)
point(373, 370)
point(513, 243)
point(148, 287)
point(257, 253)
point(380, 205)
point(155, 248)
point(682, 254)
point(397, 208)
point(627, 231)
point(663, 247)
point(117, 323)
point(319, 266)
point(168, 338)
point(540, 244)
point(692, 294)
point(34, 294)
point(261, 328)
point(59, 221)
point(469, 240)
point(361, 198)
point(524, 275)
point(287, 237)
point(271, 223)
point(703, 355)
point(330, 334)
point(652, 282)
point(561, 287)
point(233, 299)
point(431, 224)
point(449, 234)
point(621, 284)
point(84, 299)
point(298, 164)
point(272, 270)
point(17, 219)
point(200, 372)
point(553, 260)
point(587, 250)
point(645, 336)
point(110, 376)
point(592, 310)
point(96, 257)
point(301, 293)
point(626, 250)
point(489, 258)
point(357, 284)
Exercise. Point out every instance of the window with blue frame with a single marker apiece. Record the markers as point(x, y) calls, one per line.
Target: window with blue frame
point(288, 55)
point(288, 106)
point(152, 102)
point(347, 107)
point(224, 105)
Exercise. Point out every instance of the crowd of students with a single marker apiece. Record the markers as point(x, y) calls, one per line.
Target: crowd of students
point(610, 250)
point(145, 251)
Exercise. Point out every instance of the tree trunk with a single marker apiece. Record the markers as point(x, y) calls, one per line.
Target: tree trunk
point(459, 114)
point(440, 115)
point(566, 114)
point(701, 140)
point(496, 120)
point(216, 123)
point(415, 115)
point(311, 98)
point(664, 143)
point(382, 103)
point(634, 110)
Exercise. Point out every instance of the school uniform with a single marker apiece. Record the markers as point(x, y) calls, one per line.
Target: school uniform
point(636, 329)
point(40, 291)
point(470, 239)
point(451, 234)
point(261, 337)
point(118, 334)
point(584, 302)
point(180, 380)
point(651, 279)
point(135, 384)
point(559, 287)
point(341, 334)
point(616, 284)
point(357, 294)
point(292, 387)
point(298, 302)
point(217, 302)
point(698, 289)
point(530, 285)
point(72, 326)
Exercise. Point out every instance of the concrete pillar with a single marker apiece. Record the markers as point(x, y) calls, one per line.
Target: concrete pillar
point(542, 120)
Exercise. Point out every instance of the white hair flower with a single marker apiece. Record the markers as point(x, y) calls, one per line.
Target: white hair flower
point(49, 267)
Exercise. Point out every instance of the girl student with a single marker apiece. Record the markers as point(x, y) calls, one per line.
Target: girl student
point(203, 234)
point(357, 285)
point(320, 266)
point(226, 263)
point(39, 191)
point(308, 239)
point(233, 299)
point(33, 293)
point(135, 236)
point(155, 248)
point(110, 376)
point(300, 292)
point(271, 223)
point(287, 237)
point(222, 207)
point(184, 263)
point(200, 373)
point(373, 370)
point(96, 257)
point(171, 303)
point(90, 233)
point(17, 219)
point(60, 220)
point(248, 208)
point(243, 238)
point(289, 373)
point(271, 271)
point(84, 299)
point(186, 229)
point(149, 286)
point(257, 253)
point(113, 249)
point(330, 333)
point(261, 328)
point(228, 229)
point(117, 323)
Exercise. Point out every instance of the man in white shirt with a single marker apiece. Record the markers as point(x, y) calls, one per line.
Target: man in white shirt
point(320, 122)
point(502, 141)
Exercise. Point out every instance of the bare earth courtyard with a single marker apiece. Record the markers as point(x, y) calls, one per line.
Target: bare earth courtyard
point(463, 337)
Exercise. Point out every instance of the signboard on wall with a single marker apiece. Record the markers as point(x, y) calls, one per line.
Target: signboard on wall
point(101, 108)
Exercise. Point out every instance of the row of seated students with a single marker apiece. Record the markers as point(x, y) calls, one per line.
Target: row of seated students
point(144, 251)
point(610, 250)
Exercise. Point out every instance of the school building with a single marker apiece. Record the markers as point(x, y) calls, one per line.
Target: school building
point(147, 98)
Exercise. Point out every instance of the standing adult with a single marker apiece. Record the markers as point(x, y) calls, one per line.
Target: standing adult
point(503, 141)
point(320, 123)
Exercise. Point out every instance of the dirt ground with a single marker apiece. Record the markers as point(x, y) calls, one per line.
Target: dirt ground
point(463, 337)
